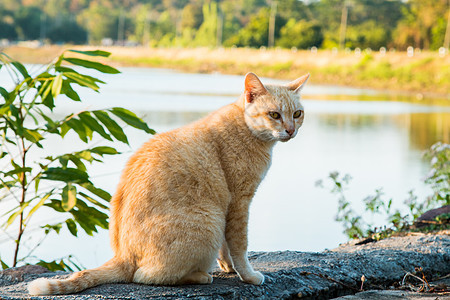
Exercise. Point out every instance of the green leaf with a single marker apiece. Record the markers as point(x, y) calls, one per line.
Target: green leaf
point(131, 119)
point(55, 227)
point(52, 266)
point(96, 217)
point(86, 155)
point(56, 205)
point(32, 135)
point(96, 191)
point(21, 69)
point(64, 129)
point(111, 125)
point(92, 123)
point(57, 84)
point(38, 205)
point(82, 80)
point(79, 128)
point(14, 111)
point(77, 162)
point(93, 201)
point(92, 65)
point(4, 266)
point(65, 69)
point(69, 91)
point(16, 214)
point(46, 95)
point(66, 175)
point(4, 93)
point(69, 197)
point(18, 170)
point(4, 109)
point(92, 53)
point(72, 226)
point(84, 221)
point(101, 150)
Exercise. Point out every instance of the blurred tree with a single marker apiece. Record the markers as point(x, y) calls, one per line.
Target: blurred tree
point(162, 32)
point(301, 34)
point(369, 23)
point(232, 18)
point(191, 16)
point(328, 13)
point(7, 29)
point(99, 21)
point(68, 31)
point(142, 24)
point(367, 35)
point(422, 24)
point(28, 22)
point(255, 33)
point(293, 9)
point(207, 33)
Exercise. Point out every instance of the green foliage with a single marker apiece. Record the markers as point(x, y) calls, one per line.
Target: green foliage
point(301, 34)
point(191, 16)
point(439, 176)
point(367, 35)
point(354, 224)
point(206, 34)
point(65, 264)
point(388, 23)
point(255, 33)
point(26, 124)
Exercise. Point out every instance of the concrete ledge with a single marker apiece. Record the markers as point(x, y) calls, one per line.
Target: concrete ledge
point(289, 274)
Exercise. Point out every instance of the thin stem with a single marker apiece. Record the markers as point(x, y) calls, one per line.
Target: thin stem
point(23, 196)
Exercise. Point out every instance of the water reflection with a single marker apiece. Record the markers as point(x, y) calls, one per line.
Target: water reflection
point(423, 129)
point(426, 129)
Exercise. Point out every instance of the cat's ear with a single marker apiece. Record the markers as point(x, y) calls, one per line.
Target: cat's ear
point(298, 84)
point(253, 87)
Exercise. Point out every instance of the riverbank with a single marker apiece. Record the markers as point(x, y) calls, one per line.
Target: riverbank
point(426, 74)
point(390, 264)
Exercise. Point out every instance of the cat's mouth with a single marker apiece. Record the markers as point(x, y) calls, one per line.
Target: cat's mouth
point(284, 139)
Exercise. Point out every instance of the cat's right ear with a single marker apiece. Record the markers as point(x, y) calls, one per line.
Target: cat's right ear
point(253, 87)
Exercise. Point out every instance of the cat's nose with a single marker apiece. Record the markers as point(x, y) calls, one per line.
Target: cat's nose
point(290, 131)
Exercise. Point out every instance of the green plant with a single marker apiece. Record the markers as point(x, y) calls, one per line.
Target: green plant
point(27, 123)
point(354, 224)
point(439, 176)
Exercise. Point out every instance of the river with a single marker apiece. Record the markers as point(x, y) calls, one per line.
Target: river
point(378, 142)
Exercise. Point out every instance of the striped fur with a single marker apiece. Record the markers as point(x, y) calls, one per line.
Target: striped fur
point(184, 196)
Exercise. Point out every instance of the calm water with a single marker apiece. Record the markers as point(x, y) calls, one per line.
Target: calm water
point(378, 143)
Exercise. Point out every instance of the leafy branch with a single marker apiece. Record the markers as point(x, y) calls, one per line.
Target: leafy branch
point(355, 226)
point(26, 122)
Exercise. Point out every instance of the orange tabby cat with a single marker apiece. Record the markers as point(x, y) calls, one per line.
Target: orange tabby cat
point(183, 198)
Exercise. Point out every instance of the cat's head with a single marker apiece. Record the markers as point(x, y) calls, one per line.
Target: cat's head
point(273, 112)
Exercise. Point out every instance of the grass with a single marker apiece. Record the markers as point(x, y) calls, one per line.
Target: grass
point(426, 74)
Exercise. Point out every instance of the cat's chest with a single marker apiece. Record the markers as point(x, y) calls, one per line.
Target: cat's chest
point(246, 170)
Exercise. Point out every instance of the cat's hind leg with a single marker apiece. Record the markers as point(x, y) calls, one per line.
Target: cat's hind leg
point(198, 277)
point(224, 260)
point(149, 274)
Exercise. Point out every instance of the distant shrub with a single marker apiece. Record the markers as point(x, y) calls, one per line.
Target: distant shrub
point(301, 34)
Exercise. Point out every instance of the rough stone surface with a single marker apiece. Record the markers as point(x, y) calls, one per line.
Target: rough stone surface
point(291, 275)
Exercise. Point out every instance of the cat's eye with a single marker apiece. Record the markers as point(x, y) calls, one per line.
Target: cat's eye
point(274, 115)
point(298, 114)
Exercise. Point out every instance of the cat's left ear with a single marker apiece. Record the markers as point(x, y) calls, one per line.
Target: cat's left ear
point(253, 87)
point(298, 84)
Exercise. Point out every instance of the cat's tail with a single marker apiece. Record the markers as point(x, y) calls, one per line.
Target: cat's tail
point(111, 272)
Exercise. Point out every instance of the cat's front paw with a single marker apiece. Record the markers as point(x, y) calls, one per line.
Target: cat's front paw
point(257, 278)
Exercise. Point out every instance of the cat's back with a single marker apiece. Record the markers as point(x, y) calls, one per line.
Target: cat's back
point(189, 156)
